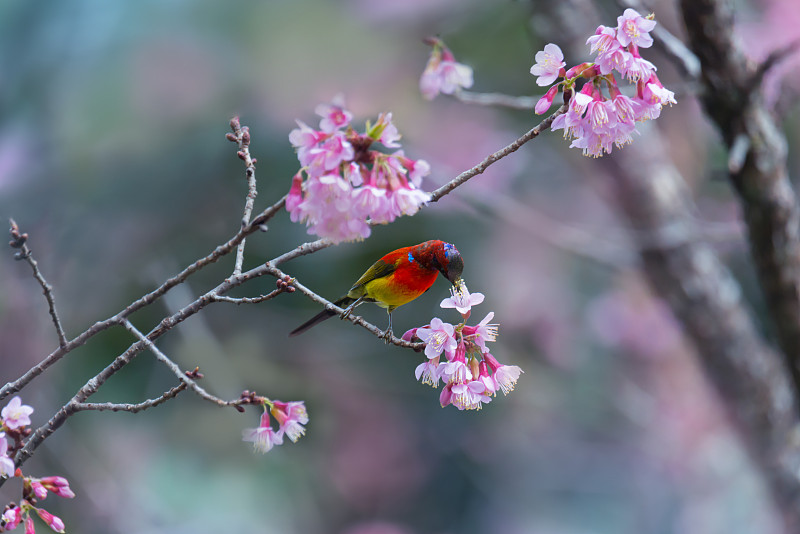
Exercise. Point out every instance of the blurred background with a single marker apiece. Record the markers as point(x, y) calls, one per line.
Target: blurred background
point(113, 158)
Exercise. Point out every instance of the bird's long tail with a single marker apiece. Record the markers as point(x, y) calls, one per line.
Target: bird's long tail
point(343, 302)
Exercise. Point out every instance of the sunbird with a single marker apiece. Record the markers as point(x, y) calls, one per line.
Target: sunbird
point(396, 279)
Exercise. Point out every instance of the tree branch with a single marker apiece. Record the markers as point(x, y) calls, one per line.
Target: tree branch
point(241, 136)
point(758, 165)
point(705, 297)
point(20, 241)
point(132, 408)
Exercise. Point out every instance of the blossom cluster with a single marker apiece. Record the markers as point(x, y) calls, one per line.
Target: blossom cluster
point(291, 416)
point(14, 424)
point(343, 184)
point(597, 122)
point(471, 375)
point(443, 74)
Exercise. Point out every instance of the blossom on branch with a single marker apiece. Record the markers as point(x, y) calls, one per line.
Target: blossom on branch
point(343, 184)
point(600, 116)
point(15, 414)
point(471, 375)
point(291, 416)
point(6, 463)
point(443, 74)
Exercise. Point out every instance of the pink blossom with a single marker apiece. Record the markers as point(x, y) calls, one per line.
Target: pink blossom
point(447, 78)
point(456, 370)
point(334, 116)
point(603, 40)
point(461, 299)
point(291, 417)
point(634, 29)
point(16, 414)
point(417, 169)
point(304, 139)
point(29, 526)
point(487, 379)
point(482, 332)
point(409, 334)
point(428, 372)
point(546, 101)
point(54, 522)
point(12, 517)
point(263, 437)
point(639, 69)
point(328, 155)
point(388, 131)
point(341, 197)
point(506, 376)
point(469, 395)
point(295, 196)
point(443, 74)
point(549, 64)
point(438, 337)
point(38, 490)
point(6, 463)
point(58, 485)
point(615, 59)
point(446, 396)
point(407, 201)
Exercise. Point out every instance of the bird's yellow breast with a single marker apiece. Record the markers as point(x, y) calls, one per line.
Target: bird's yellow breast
point(387, 293)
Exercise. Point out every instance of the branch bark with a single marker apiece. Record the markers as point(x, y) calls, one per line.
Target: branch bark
point(749, 376)
point(758, 170)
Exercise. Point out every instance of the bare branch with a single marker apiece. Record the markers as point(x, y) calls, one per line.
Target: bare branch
point(149, 298)
point(497, 99)
point(241, 136)
point(172, 366)
point(249, 300)
point(132, 408)
point(19, 241)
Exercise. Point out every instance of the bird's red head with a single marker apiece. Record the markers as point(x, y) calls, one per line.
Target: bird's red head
point(441, 256)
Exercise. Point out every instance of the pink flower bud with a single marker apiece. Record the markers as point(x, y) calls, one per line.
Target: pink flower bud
point(53, 521)
point(546, 101)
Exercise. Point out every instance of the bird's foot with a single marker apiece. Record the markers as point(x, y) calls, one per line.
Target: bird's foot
point(387, 336)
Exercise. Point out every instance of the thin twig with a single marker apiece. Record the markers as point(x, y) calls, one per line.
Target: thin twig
point(497, 99)
point(241, 136)
point(774, 57)
point(132, 408)
point(249, 300)
point(20, 241)
point(149, 298)
point(172, 366)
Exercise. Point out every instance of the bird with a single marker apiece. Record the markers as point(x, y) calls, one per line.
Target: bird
point(396, 279)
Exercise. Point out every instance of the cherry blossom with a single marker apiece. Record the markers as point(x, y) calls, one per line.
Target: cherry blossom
point(549, 64)
point(15, 414)
point(263, 437)
point(341, 190)
point(600, 116)
point(438, 338)
point(442, 73)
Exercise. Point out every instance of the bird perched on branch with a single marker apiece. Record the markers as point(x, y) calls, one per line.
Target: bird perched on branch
point(396, 279)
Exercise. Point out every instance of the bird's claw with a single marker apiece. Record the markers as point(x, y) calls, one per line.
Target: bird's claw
point(387, 336)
